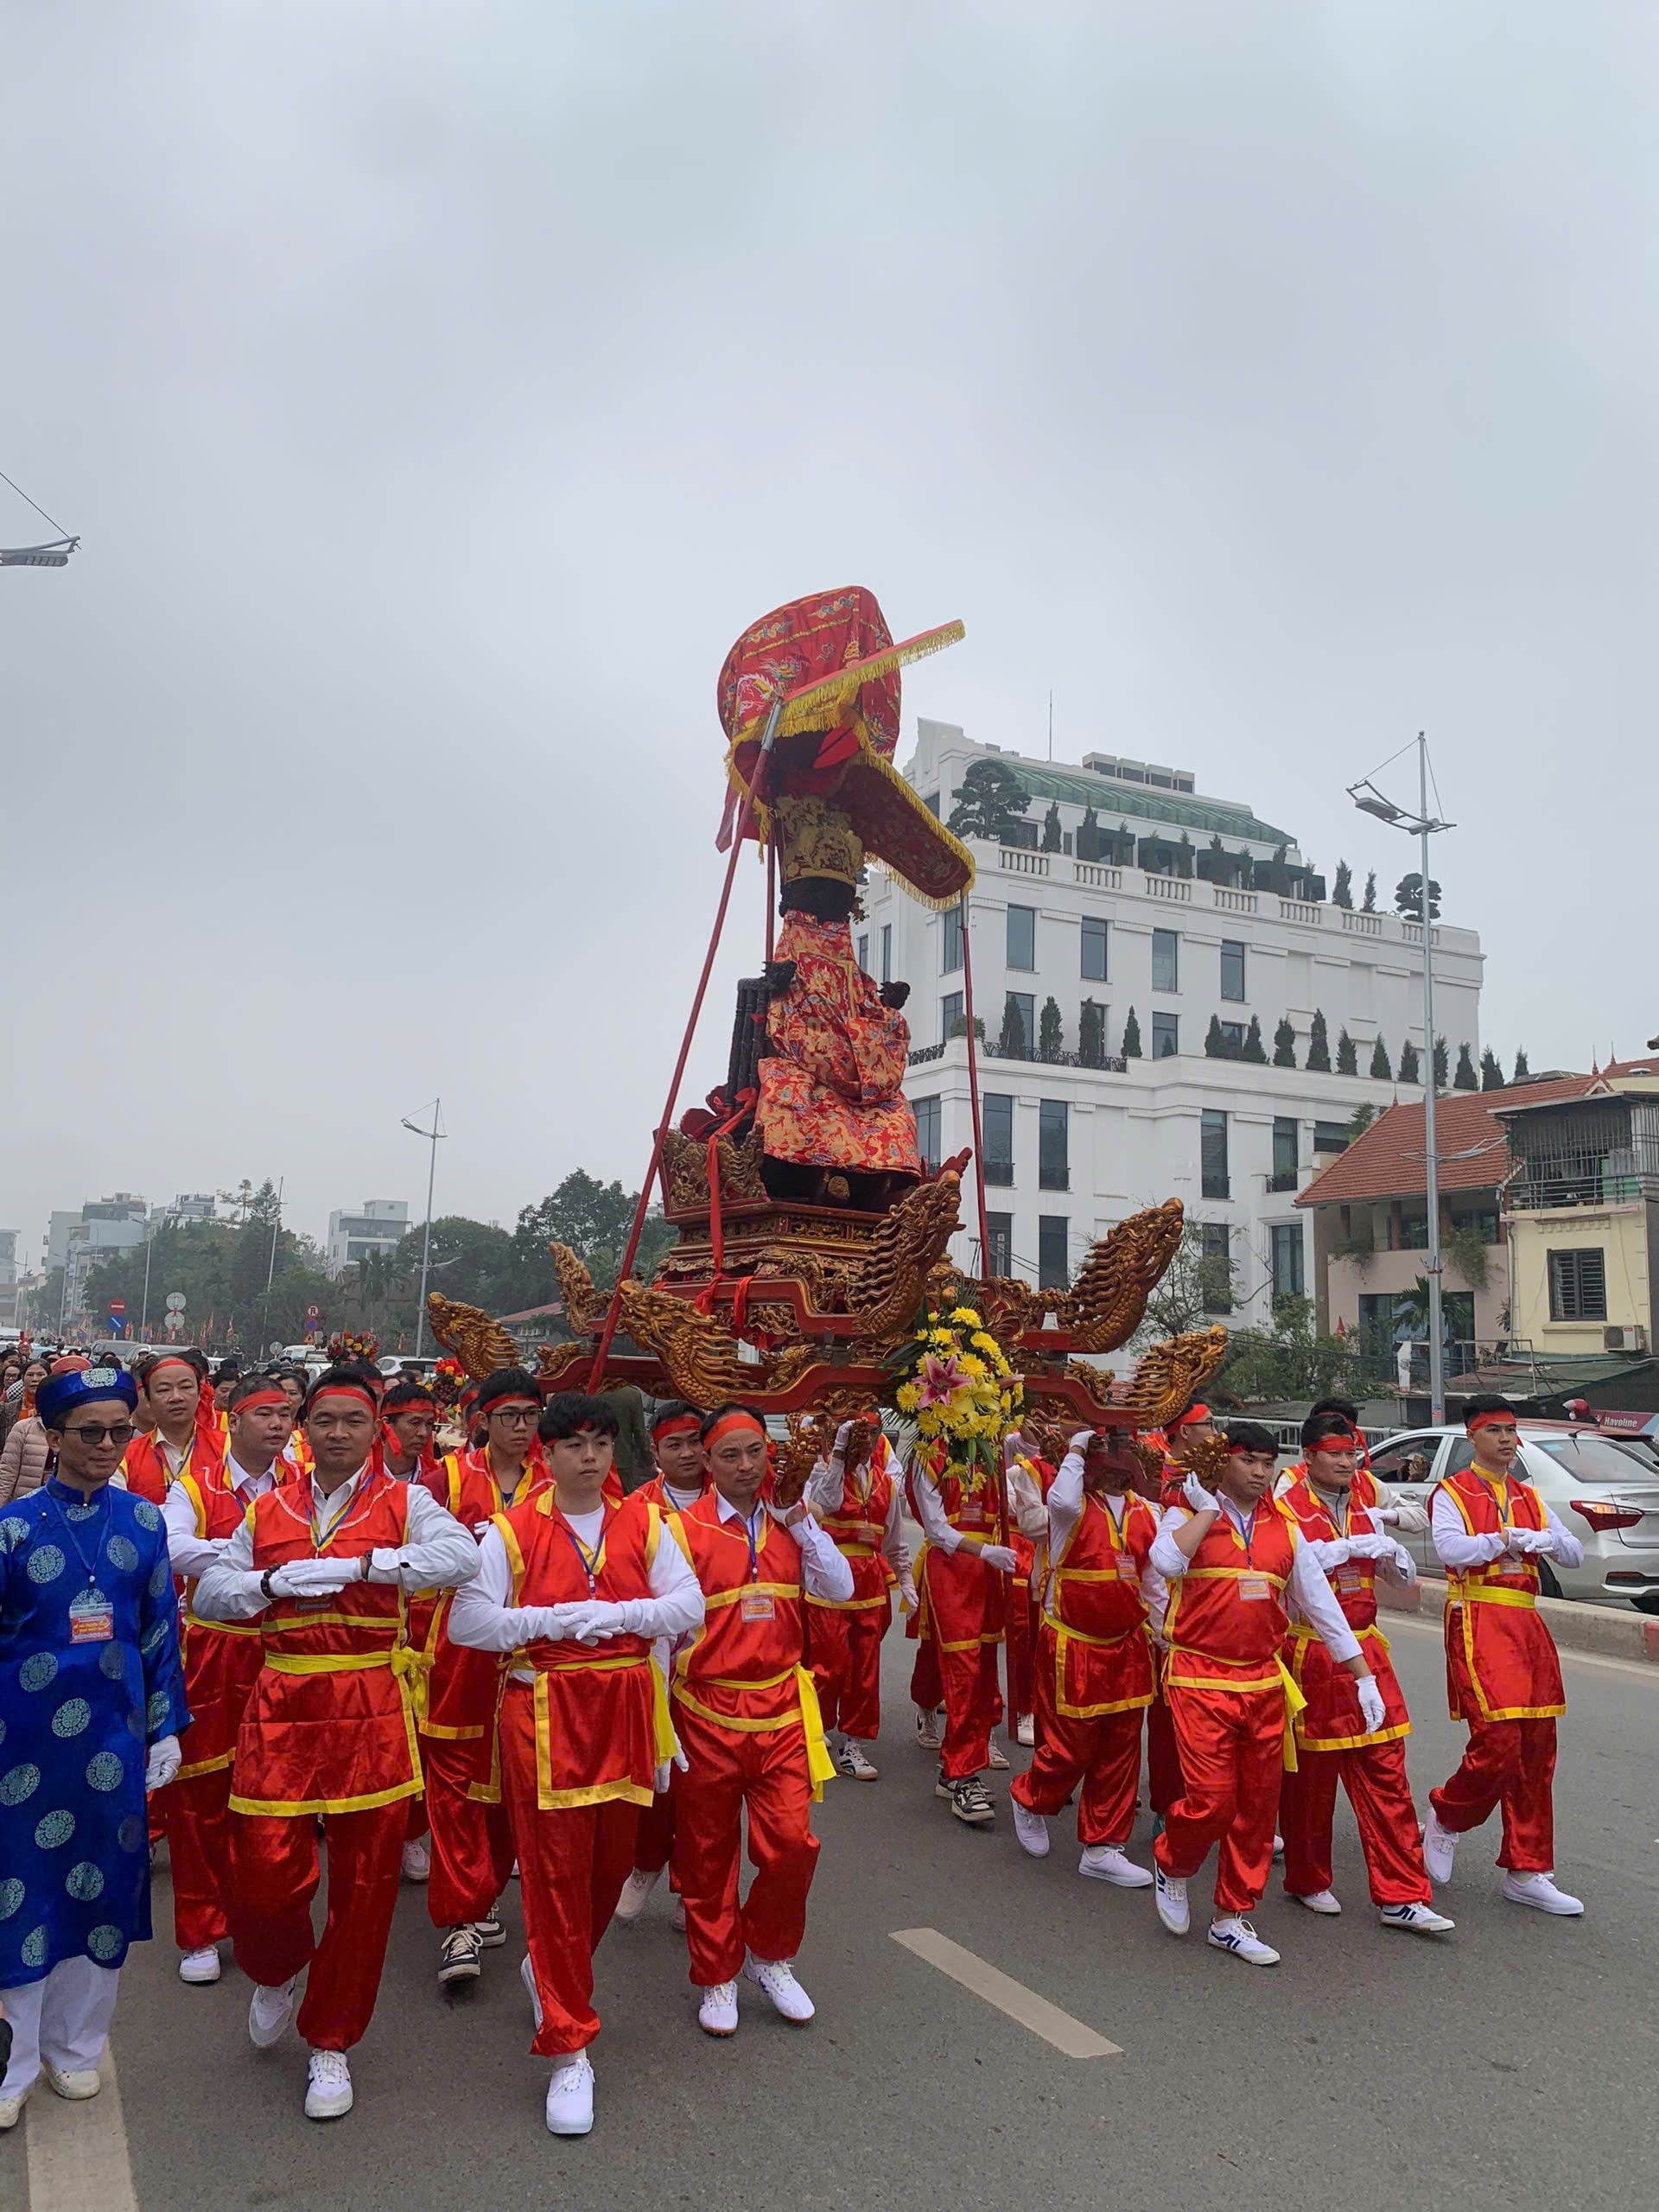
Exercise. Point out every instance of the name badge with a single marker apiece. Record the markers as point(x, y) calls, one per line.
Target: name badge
point(1253, 1588)
point(91, 1617)
point(972, 1516)
point(757, 1607)
point(1348, 1578)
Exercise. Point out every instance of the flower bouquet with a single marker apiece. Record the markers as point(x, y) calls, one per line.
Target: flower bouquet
point(353, 1344)
point(957, 1387)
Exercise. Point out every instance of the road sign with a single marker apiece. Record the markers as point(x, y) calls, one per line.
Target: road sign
point(118, 1306)
point(175, 1325)
point(313, 1315)
point(176, 1301)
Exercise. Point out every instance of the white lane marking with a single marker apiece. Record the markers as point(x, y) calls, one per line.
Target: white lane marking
point(78, 2150)
point(1008, 1996)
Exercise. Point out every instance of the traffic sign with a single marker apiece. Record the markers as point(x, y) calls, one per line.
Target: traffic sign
point(313, 1315)
point(176, 1301)
point(118, 1306)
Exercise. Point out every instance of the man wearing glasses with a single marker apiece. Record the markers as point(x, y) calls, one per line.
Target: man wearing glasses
point(89, 1676)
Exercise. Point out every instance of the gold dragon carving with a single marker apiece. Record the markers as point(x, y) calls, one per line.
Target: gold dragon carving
point(1105, 1306)
point(1168, 1373)
point(468, 1332)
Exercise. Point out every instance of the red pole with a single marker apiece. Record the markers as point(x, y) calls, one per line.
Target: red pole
point(973, 1091)
point(771, 893)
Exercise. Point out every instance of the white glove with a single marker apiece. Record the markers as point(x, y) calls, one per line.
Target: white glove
point(1371, 1548)
point(1384, 1515)
point(548, 1628)
point(1371, 1703)
point(1081, 1440)
point(593, 1622)
point(1332, 1552)
point(908, 1600)
point(1404, 1565)
point(313, 1578)
point(1197, 1497)
point(844, 1437)
point(481, 1529)
point(660, 1774)
point(635, 1616)
point(1522, 1541)
point(163, 1762)
point(1000, 1557)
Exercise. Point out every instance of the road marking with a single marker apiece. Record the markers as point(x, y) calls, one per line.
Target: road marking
point(1008, 1996)
point(1639, 1670)
point(78, 2150)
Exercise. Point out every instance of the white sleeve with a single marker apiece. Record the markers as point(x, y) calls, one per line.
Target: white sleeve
point(1165, 1557)
point(892, 1537)
point(1454, 1545)
point(1026, 1506)
point(480, 1615)
point(191, 1554)
point(1155, 1592)
point(1413, 1520)
point(440, 1554)
point(826, 1488)
point(1329, 1551)
point(1316, 1603)
point(1563, 1544)
point(1064, 1502)
point(675, 1606)
point(931, 1513)
point(230, 1590)
point(823, 1570)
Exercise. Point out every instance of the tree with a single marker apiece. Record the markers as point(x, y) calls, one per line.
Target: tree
point(1410, 1066)
point(594, 1219)
point(1523, 1073)
point(1491, 1075)
point(1343, 894)
point(1284, 1044)
point(1409, 898)
point(1347, 1055)
point(1466, 1078)
point(1052, 828)
point(959, 1025)
point(1215, 1044)
point(1381, 1072)
point(1318, 1045)
point(1088, 845)
point(1013, 1044)
point(1196, 1287)
point(1440, 1063)
point(1368, 905)
point(990, 803)
point(1289, 1360)
point(1131, 1046)
point(1254, 1050)
point(1051, 1032)
point(1091, 1034)
point(1360, 1120)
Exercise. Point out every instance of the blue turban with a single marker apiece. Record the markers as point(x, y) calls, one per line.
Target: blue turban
point(59, 1394)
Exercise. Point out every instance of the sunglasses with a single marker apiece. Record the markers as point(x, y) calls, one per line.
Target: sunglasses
point(122, 1433)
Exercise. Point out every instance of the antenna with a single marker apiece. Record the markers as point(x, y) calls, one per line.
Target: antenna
point(1051, 725)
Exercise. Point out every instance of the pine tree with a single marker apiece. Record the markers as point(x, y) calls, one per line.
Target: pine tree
point(1013, 1044)
point(1523, 1073)
point(1255, 1050)
point(1088, 845)
point(1318, 1045)
point(990, 803)
point(1050, 1034)
point(1411, 1065)
point(1368, 907)
point(1466, 1078)
point(1347, 1055)
point(1091, 1034)
point(1491, 1075)
point(1284, 1045)
point(1343, 894)
point(1131, 1045)
point(1441, 1064)
point(1215, 1044)
point(1409, 898)
point(1052, 828)
point(1382, 1068)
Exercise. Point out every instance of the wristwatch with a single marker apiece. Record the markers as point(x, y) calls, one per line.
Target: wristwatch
point(264, 1584)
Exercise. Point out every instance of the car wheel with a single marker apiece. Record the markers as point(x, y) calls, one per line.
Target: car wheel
point(1648, 1602)
point(1547, 1585)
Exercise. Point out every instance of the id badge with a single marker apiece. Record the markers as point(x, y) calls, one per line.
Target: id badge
point(757, 1607)
point(1348, 1579)
point(1253, 1588)
point(91, 1617)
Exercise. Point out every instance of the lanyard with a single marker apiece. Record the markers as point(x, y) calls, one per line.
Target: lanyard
point(319, 1533)
point(1245, 1530)
point(591, 1560)
point(748, 1531)
point(69, 1531)
point(1119, 1528)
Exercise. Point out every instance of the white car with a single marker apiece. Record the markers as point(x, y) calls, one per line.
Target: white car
point(1605, 1492)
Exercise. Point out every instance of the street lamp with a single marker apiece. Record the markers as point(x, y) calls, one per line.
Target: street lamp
point(1422, 825)
point(432, 1136)
point(55, 554)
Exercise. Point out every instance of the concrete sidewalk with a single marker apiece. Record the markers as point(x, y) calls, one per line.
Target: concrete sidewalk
point(1612, 1630)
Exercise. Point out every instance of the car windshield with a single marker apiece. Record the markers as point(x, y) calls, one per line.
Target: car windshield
point(1593, 1459)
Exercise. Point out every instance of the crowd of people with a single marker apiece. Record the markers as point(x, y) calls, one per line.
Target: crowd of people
point(284, 1624)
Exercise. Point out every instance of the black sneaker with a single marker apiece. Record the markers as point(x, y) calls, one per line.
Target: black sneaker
point(970, 1801)
point(458, 1955)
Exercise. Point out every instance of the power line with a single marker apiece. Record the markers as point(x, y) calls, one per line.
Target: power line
point(35, 504)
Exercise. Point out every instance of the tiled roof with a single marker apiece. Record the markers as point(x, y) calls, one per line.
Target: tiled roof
point(1387, 1161)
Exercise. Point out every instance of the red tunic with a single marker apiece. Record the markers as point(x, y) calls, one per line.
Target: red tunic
point(1227, 1619)
point(144, 1464)
point(1094, 1629)
point(222, 1659)
point(857, 1528)
point(463, 1685)
point(1501, 1662)
point(1332, 1720)
point(962, 1604)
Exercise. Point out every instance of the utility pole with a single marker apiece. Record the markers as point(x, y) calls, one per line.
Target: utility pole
point(432, 1135)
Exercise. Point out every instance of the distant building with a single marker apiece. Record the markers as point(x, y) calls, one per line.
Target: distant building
point(193, 1205)
point(7, 1278)
point(79, 1243)
point(377, 1225)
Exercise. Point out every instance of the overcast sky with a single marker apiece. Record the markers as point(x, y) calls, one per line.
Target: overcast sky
point(440, 388)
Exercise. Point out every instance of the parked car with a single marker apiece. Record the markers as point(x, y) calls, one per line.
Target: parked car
point(1606, 1493)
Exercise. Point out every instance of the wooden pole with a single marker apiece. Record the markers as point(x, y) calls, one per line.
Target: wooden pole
point(973, 1091)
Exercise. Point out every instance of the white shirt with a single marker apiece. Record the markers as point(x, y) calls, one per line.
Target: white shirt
point(1065, 1510)
point(1458, 1550)
point(1308, 1590)
point(827, 1490)
point(928, 1511)
point(191, 1554)
point(440, 1554)
point(824, 1573)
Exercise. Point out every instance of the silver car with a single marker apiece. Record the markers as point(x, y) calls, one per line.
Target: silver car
point(1607, 1493)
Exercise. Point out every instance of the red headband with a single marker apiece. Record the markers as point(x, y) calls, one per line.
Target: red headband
point(171, 1359)
point(676, 1425)
point(341, 1390)
point(1192, 1415)
point(257, 1401)
point(735, 1424)
point(1485, 1421)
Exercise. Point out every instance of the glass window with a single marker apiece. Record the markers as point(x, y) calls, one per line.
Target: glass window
point(864, 951)
point(996, 1127)
point(1054, 1160)
point(932, 803)
point(951, 1012)
point(927, 1132)
point(1284, 1152)
point(1232, 970)
point(1022, 937)
point(1577, 1285)
point(887, 952)
point(1406, 1458)
point(1212, 1153)
point(1217, 1279)
point(1094, 949)
point(1166, 1036)
point(1232, 1036)
point(1332, 1136)
point(1165, 960)
point(951, 957)
point(1287, 1281)
point(1053, 1274)
point(999, 1228)
point(1020, 1023)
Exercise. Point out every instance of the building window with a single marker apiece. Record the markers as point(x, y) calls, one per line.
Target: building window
point(1212, 1155)
point(1232, 970)
point(927, 1132)
point(1285, 1162)
point(1053, 1149)
point(887, 952)
point(1232, 1038)
point(1166, 1036)
point(864, 952)
point(996, 1129)
point(1332, 1136)
point(951, 1012)
point(999, 1228)
point(1094, 949)
point(1287, 1259)
point(1019, 1024)
point(1052, 1273)
point(1577, 1285)
point(1022, 937)
point(1165, 960)
point(1216, 1267)
point(932, 803)
point(952, 955)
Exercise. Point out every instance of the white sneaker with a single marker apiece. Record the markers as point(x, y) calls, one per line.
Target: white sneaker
point(927, 1730)
point(269, 2013)
point(851, 1762)
point(776, 1977)
point(570, 2097)
point(1320, 1901)
point(717, 2014)
point(11, 2110)
point(72, 2081)
point(997, 1758)
point(1278, 1845)
point(489, 1931)
point(636, 1893)
point(1439, 1848)
point(1419, 1919)
point(676, 1918)
point(417, 1860)
point(1104, 1862)
point(1031, 1829)
point(1540, 1891)
point(1024, 1730)
point(1172, 1902)
point(199, 1965)
point(1236, 1936)
point(328, 2085)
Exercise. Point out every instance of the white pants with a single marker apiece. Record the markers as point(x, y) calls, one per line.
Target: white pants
point(65, 2019)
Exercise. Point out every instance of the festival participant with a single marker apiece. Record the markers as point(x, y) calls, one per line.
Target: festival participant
point(679, 1482)
point(1229, 1561)
point(582, 1586)
point(325, 1567)
point(1342, 1514)
point(1094, 1660)
point(472, 1847)
point(852, 1496)
point(203, 1510)
point(962, 1574)
point(410, 1416)
point(1027, 1476)
point(746, 1716)
point(1186, 1439)
point(226, 1376)
point(173, 1387)
point(1490, 1529)
point(89, 1673)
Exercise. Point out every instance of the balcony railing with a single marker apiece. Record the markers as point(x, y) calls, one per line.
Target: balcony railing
point(1285, 1179)
point(1173, 887)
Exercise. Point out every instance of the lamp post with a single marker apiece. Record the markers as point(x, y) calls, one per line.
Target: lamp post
point(432, 1136)
point(1423, 825)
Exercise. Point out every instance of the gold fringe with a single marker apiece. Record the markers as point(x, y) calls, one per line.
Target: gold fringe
point(802, 710)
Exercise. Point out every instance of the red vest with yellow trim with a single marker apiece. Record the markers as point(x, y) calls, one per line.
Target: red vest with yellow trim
point(144, 1464)
point(463, 1685)
point(742, 1665)
point(962, 1604)
point(1501, 1662)
point(594, 1704)
point(655, 1492)
point(330, 1727)
point(857, 1528)
point(1332, 1720)
point(1227, 1617)
point(1093, 1634)
point(222, 1659)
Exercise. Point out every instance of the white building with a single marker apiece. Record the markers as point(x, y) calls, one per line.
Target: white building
point(80, 1244)
point(1160, 926)
point(7, 1278)
point(377, 1225)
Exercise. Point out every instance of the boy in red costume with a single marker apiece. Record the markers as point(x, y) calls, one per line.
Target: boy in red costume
point(1490, 1528)
point(961, 1573)
point(175, 1395)
point(854, 1498)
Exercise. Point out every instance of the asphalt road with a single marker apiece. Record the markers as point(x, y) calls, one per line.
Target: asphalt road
point(1511, 2064)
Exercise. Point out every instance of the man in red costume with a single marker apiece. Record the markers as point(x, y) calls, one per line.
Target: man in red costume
point(854, 1498)
point(1183, 1438)
point(1094, 1660)
point(746, 1716)
point(1343, 1517)
point(1233, 1563)
point(203, 1510)
point(961, 1576)
point(1490, 1529)
point(174, 1391)
point(410, 1416)
point(326, 1567)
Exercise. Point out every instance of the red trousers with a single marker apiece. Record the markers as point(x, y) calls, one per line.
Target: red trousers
point(1374, 1778)
point(572, 1864)
point(966, 1685)
point(274, 1874)
point(765, 1772)
point(1164, 1782)
point(197, 1850)
point(418, 1823)
point(1231, 1744)
point(846, 1661)
point(1103, 1755)
point(926, 1690)
point(472, 1843)
point(1021, 1643)
point(653, 1845)
point(1511, 1763)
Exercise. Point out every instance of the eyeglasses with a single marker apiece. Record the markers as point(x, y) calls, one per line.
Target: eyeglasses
point(121, 1433)
point(514, 1416)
